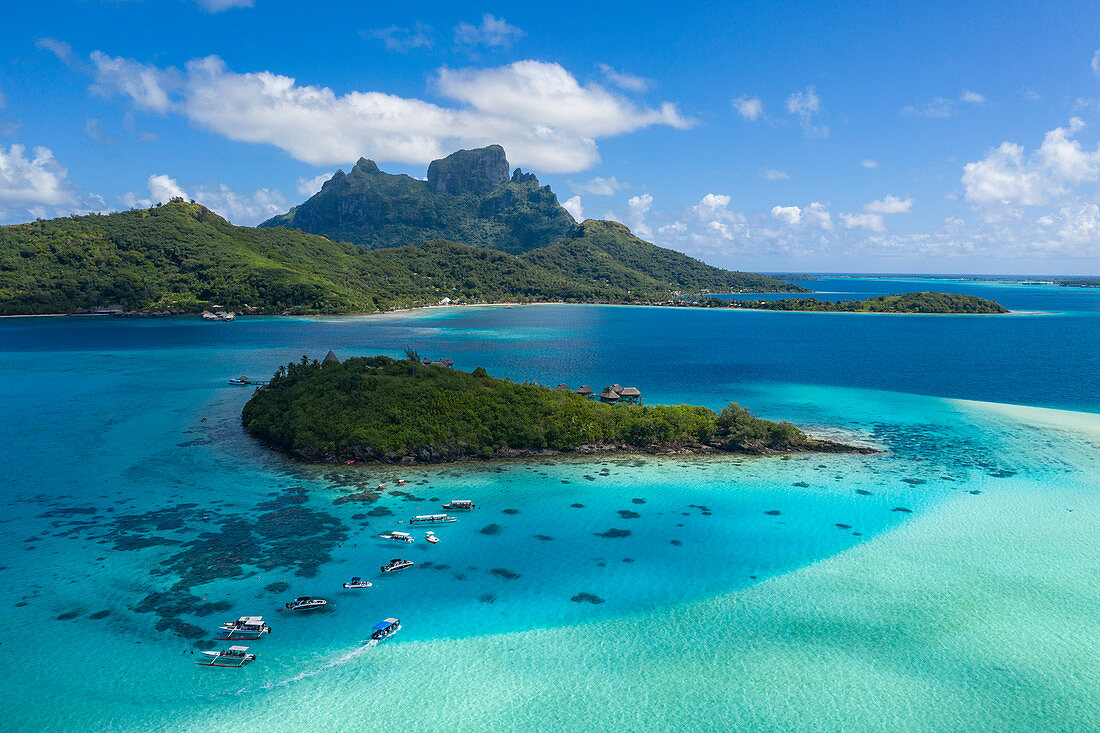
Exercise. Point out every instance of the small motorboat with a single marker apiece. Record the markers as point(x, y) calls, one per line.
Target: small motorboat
point(384, 628)
point(399, 536)
point(357, 582)
point(305, 603)
point(234, 656)
point(246, 627)
point(432, 519)
point(401, 482)
point(459, 505)
point(397, 564)
point(381, 487)
point(430, 537)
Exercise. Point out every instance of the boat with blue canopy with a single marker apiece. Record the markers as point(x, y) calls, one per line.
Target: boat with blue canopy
point(384, 628)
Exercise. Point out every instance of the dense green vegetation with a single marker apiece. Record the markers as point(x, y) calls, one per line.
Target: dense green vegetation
point(182, 256)
point(468, 198)
point(378, 408)
point(906, 303)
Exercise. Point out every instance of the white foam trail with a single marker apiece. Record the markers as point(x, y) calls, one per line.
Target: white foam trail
point(339, 661)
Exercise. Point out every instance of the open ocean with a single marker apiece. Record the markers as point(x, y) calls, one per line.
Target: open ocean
point(951, 583)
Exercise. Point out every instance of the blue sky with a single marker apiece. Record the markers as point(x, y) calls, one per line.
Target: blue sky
point(918, 137)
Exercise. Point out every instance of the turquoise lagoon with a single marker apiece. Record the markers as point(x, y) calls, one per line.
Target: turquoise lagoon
point(950, 583)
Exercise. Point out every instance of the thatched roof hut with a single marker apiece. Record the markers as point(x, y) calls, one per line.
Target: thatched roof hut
point(563, 387)
point(609, 397)
point(331, 358)
point(585, 391)
point(631, 393)
point(617, 389)
point(447, 362)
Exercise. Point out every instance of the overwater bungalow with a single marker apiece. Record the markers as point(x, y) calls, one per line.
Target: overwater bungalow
point(331, 358)
point(585, 391)
point(617, 389)
point(631, 394)
point(609, 396)
point(563, 387)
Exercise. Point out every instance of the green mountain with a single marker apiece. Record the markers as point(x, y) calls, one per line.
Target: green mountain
point(467, 198)
point(184, 257)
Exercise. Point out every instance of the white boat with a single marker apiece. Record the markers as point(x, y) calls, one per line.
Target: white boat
point(305, 603)
point(246, 627)
point(459, 505)
point(430, 537)
point(357, 582)
point(240, 380)
point(399, 536)
point(432, 519)
point(384, 628)
point(397, 564)
point(234, 656)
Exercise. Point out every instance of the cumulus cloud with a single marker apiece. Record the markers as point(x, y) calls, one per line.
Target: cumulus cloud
point(493, 32)
point(814, 216)
point(403, 40)
point(599, 186)
point(792, 215)
point(637, 208)
point(573, 206)
point(1007, 176)
point(162, 188)
point(751, 108)
point(774, 174)
point(544, 117)
point(868, 163)
point(623, 80)
point(310, 186)
point(32, 183)
point(874, 213)
point(889, 205)
point(806, 104)
point(972, 97)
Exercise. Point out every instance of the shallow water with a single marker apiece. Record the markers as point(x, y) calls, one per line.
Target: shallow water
point(947, 574)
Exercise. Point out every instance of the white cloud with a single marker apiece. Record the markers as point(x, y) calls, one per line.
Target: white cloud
point(774, 174)
point(889, 205)
point(939, 107)
point(806, 105)
point(30, 184)
point(1095, 64)
point(623, 80)
point(493, 32)
point(162, 188)
point(543, 116)
point(60, 49)
point(751, 108)
point(94, 129)
point(242, 208)
point(310, 186)
point(404, 40)
point(1007, 177)
point(814, 216)
point(3, 99)
point(868, 163)
point(792, 215)
point(219, 6)
point(599, 186)
point(637, 208)
point(573, 206)
point(874, 222)
point(148, 86)
point(972, 97)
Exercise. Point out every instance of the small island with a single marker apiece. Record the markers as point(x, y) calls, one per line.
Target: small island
point(912, 303)
point(379, 409)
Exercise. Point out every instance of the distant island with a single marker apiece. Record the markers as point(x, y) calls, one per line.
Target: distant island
point(941, 303)
point(379, 409)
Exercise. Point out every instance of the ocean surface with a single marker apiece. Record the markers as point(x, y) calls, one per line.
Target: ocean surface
point(949, 583)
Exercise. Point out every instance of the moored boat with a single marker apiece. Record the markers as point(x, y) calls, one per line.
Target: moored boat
point(399, 536)
point(397, 564)
point(432, 519)
point(246, 627)
point(240, 380)
point(459, 505)
point(234, 656)
point(357, 582)
point(305, 603)
point(384, 628)
point(430, 537)
point(401, 482)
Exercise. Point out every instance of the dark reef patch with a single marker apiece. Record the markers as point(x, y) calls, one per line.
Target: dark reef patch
point(863, 492)
point(68, 615)
point(773, 512)
point(914, 481)
point(577, 506)
point(487, 598)
point(490, 529)
point(587, 598)
point(675, 543)
point(277, 587)
point(801, 484)
point(380, 511)
point(509, 511)
point(613, 533)
point(638, 501)
point(628, 559)
point(838, 525)
point(902, 509)
point(627, 514)
point(544, 538)
point(504, 573)
point(99, 614)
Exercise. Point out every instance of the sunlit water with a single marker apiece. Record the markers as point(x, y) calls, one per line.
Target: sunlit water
point(947, 582)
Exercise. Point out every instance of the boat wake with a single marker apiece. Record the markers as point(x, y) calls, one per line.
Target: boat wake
point(348, 656)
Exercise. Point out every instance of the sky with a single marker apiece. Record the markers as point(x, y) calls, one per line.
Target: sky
point(929, 137)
